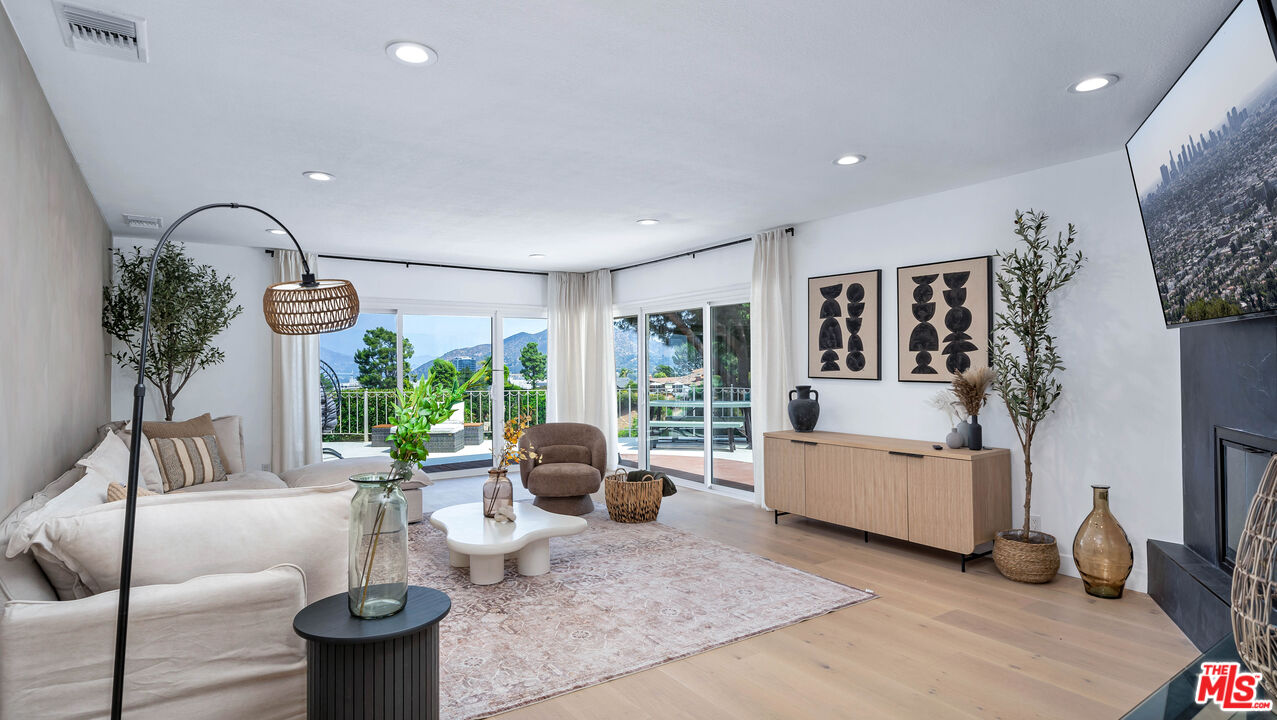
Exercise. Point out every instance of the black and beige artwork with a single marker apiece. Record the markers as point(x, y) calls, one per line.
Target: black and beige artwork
point(844, 317)
point(944, 316)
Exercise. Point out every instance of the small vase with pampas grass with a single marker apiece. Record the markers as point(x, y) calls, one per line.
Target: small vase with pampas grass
point(971, 388)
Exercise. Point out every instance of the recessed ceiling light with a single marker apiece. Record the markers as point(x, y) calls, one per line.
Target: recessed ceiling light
point(1092, 84)
point(850, 160)
point(275, 231)
point(411, 53)
point(648, 221)
point(318, 176)
point(537, 256)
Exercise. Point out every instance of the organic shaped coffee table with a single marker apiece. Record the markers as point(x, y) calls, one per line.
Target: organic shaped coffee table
point(482, 544)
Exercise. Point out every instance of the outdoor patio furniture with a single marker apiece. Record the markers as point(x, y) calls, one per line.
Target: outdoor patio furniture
point(446, 438)
point(380, 435)
point(695, 430)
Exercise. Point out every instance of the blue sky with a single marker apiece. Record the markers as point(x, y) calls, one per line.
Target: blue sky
point(1237, 63)
point(430, 335)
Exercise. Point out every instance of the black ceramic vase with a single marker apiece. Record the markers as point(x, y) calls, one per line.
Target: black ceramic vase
point(804, 410)
point(975, 437)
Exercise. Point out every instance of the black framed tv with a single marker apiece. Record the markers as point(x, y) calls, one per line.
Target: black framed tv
point(1204, 164)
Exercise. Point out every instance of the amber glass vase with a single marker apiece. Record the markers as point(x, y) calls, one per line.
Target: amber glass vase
point(1101, 550)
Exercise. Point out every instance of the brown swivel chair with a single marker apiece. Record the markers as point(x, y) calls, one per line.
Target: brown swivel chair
point(572, 460)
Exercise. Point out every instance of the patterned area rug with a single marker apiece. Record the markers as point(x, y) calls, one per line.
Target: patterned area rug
point(618, 599)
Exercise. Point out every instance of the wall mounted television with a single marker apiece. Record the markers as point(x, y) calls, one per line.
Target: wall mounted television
point(1204, 164)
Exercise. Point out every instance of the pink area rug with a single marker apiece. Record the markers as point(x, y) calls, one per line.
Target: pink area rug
point(618, 599)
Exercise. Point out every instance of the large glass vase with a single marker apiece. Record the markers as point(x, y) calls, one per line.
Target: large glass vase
point(1101, 550)
point(378, 569)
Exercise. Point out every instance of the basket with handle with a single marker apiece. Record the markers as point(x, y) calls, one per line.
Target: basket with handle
point(632, 502)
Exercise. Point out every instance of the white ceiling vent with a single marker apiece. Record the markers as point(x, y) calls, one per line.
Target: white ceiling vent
point(102, 33)
point(143, 221)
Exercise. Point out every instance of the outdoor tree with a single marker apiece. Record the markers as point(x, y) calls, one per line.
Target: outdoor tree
point(190, 306)
point(444, 374)
point(376, 360)
point(534, 362)
point(663, 371)
point(686, 359)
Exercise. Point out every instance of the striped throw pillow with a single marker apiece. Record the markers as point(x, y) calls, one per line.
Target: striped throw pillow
point(188, 461)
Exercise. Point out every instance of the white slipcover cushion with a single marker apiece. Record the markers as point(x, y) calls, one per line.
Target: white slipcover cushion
point(218, 646)
point(336, 472)
point(180, 536)
point(251, 480)
point(89, 491)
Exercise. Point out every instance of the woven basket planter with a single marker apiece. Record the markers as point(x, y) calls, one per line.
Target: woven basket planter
point(1255, 583)
point(631, 502)
point(1026, 562)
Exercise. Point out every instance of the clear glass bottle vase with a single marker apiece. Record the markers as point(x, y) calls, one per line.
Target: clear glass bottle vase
point(378, 559)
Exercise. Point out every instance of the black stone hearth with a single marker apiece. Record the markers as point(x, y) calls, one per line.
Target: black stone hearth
point(1228, 379)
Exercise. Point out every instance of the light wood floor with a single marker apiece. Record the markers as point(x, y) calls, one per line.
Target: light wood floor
point(937, 643)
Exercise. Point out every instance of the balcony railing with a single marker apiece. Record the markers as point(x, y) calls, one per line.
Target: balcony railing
point(627, 406)
point(360, 410)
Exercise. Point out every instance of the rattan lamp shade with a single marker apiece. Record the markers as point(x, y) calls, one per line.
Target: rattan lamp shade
point(292, 308)
point(1255, 583)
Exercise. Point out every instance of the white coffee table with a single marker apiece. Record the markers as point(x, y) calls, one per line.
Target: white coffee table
point(483, 543)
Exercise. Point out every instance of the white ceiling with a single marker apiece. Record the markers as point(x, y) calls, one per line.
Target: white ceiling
point(552, 127)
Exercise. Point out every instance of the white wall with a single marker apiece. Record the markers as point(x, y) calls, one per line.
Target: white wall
point(242, 384)
point(1118, 421)
point(53, 370)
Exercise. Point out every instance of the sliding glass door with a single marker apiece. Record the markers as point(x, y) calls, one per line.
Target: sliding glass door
point(683, 394)
point(676, 430)
point(363, 368)
point(449, 350)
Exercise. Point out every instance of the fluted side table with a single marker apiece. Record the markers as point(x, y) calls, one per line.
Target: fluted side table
point(385, 669)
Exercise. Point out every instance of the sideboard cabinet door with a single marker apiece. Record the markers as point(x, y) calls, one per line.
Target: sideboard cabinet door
point(940, 503)
point(783, 476)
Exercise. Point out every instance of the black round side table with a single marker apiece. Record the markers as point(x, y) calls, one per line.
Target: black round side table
point(385, 669)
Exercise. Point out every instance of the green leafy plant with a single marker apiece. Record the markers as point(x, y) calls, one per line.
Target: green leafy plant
point(1024, 356)
point(422, 406)
point(191, 305)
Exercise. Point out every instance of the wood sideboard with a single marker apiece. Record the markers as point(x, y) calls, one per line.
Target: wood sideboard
point(954, 500)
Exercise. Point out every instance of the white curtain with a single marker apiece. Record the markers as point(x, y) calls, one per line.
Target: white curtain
point(582, 366)
point(295, 420)
point(769, 348)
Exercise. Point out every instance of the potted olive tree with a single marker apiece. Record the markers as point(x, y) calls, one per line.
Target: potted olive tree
point(1025, 361)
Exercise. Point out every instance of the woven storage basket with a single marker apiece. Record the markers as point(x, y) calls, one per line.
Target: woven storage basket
point(1026, 562)
point(631, 502)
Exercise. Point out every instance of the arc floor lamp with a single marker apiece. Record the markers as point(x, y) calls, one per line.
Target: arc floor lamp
point(305, 307)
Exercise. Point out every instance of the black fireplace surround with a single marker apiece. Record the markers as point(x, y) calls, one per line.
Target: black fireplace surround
point(1228, 386)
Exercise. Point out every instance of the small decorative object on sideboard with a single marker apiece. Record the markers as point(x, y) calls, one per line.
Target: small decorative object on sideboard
point(1255, 583)
point(804, 410)
point(498, 493)
point(1101, 550)
point(1025, 360)
point(971, 387)
point(946, 403)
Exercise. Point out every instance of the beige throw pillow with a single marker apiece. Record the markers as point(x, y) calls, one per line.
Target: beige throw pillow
point(195, 427)
point(187, 461)
point(116, 491)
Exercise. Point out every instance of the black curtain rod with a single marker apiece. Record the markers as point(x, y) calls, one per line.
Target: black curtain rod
point(692, 253)
point(410, 263)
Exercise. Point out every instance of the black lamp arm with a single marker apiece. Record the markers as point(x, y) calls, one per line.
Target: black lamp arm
point(135, 445)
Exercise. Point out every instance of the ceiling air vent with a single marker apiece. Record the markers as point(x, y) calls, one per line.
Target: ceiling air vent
point(143, 221)
point(102, 33)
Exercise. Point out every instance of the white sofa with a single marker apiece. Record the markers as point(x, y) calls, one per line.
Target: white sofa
point(219, 572)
